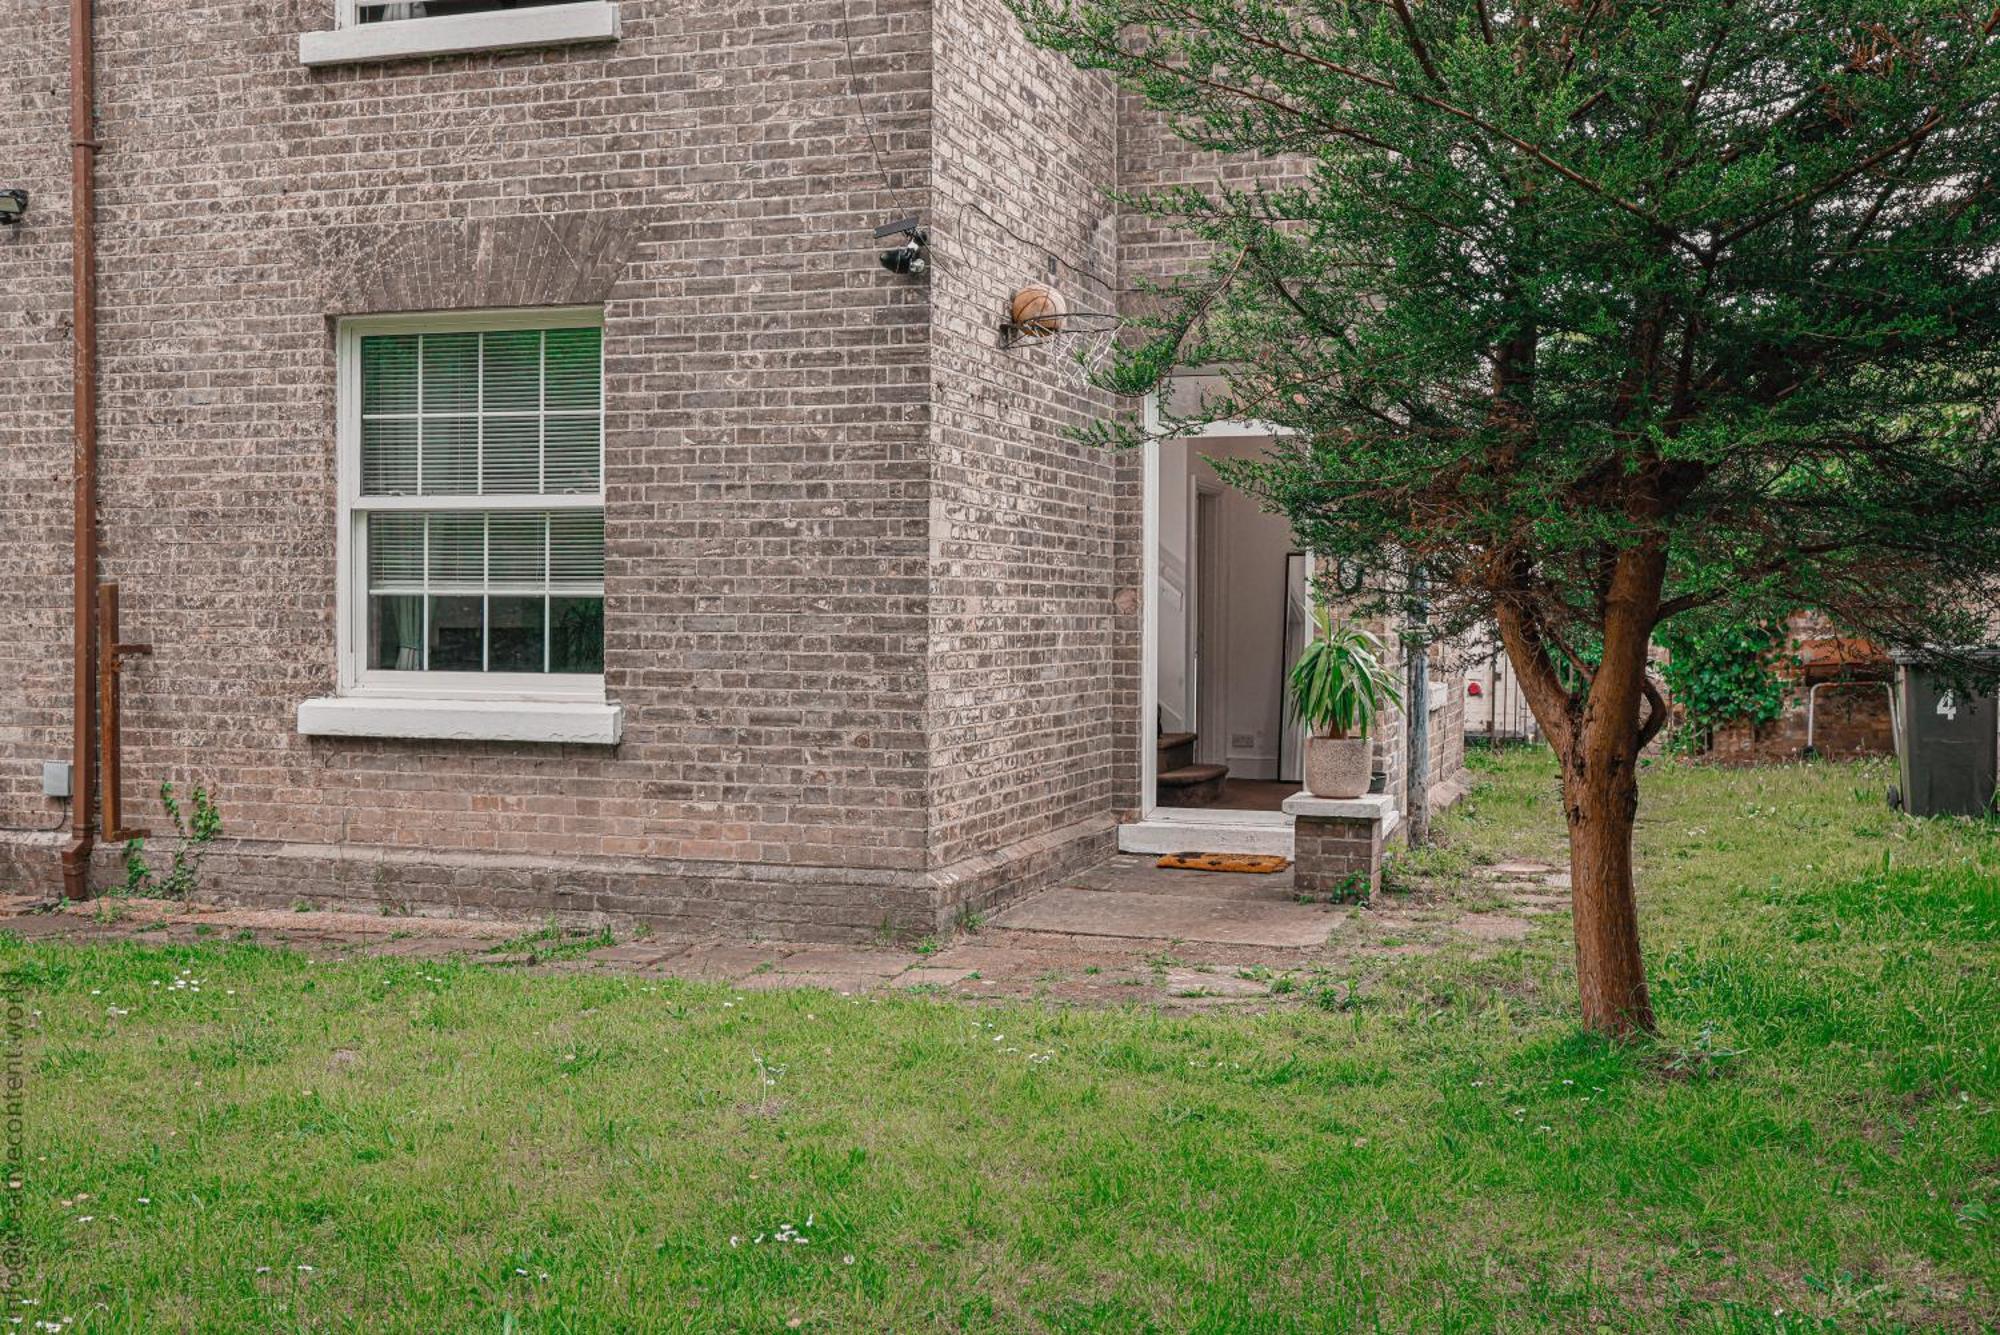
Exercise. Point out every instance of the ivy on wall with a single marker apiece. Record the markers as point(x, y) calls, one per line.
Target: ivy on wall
point(1724, 672)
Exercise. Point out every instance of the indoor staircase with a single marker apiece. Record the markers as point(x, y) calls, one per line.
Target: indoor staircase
point(1183, 783)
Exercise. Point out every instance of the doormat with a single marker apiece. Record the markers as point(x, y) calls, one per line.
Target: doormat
point(1260, 863)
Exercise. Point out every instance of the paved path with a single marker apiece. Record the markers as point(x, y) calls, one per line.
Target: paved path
point(1124, 931)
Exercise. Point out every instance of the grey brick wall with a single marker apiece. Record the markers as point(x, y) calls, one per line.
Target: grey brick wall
point(872, 615)
point(768, 420)
point(1032, 531)
point(34, 430)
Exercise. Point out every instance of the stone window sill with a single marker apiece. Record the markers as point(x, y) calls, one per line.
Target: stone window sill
point(579, 722)
point(497, 30)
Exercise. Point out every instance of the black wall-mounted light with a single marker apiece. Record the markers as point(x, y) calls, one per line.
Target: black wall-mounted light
point(13, 203)
point(911, 257)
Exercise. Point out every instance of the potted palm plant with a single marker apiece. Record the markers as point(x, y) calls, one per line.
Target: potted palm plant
point(1339, 686)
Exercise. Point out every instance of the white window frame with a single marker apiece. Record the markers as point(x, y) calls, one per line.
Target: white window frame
point(351, 544)
point(351, 41)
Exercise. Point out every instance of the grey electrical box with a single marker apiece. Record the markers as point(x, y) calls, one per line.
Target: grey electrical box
point(55, 778)
point(1947, 745)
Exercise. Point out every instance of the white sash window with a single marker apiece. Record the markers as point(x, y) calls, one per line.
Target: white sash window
point(472, 505)
point(366, 31)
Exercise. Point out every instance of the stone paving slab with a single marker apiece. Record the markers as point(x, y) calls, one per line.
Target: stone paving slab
point(423, 948)
point(1520, 869)
point(849, 984)
point(726, 961)
point(984, 953)
point(843, 960)
point(638, 954)
point(1124, 913)
point(1217, 982)
point(508, 959)
point(222, 917)
point(44, 925)
point(931, 976)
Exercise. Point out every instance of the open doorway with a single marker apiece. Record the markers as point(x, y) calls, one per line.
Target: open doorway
point(1232, 594)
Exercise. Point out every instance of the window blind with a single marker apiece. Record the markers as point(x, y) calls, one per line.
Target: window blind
point(495, 552)
point(390, 11)
point(509, 412)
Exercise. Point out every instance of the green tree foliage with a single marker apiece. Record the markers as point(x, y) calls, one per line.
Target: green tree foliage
point(1594, 314)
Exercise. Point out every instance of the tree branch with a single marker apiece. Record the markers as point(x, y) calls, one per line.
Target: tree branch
point(1827, 187)
point(1471, 118)
point(1656, 711)
point(1416, 41)
point(1689, 601)
point(1554, 708)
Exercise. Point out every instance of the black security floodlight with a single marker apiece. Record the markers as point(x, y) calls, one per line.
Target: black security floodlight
point(13, 203)
point(910, 257)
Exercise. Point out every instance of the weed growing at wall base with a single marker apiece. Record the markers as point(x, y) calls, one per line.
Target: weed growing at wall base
point(195, 828)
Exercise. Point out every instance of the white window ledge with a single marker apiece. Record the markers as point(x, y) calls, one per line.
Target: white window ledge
point(586, 722)
point(496, 30)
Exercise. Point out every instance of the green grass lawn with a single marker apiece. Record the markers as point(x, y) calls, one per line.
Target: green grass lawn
point(232, 1138)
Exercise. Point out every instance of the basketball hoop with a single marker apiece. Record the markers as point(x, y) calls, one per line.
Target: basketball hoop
point(1074, 344)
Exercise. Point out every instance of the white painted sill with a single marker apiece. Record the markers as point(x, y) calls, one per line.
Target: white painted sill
point(498, 30)
point(583, 722)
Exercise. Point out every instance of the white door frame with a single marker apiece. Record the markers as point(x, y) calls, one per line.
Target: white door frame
point(1174, 829)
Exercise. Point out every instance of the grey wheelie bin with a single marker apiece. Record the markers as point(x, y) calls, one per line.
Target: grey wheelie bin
point(1947, 743)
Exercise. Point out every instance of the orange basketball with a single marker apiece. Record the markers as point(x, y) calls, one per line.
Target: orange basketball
point(1038, 311)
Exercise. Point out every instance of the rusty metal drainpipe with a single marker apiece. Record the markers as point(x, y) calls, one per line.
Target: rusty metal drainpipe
point(83, 284)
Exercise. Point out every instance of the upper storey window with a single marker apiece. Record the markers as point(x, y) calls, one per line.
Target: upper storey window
point(378, 30)
point(394, 11)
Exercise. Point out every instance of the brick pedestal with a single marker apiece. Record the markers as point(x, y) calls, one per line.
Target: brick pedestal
point(1337, 844)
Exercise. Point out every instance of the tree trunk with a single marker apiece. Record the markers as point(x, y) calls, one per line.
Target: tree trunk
point(1610, 977)
point(1597, 737)
point(1601, 800)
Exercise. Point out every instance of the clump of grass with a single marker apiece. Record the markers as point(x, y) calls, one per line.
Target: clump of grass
point(1702, 1057)
point(552, 941)
point(1405, 869)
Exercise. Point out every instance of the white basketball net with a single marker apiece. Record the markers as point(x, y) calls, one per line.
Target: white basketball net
point(1072, 356)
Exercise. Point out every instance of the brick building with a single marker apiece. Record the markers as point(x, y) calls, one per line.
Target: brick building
point(536, 493)
point(1836, 702)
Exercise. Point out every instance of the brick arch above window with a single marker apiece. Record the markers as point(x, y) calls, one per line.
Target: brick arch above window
point(484, 264)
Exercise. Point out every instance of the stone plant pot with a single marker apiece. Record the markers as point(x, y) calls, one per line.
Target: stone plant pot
point(1337, 766)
